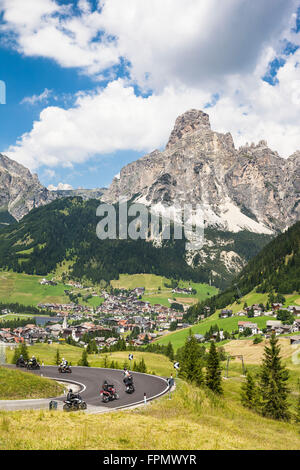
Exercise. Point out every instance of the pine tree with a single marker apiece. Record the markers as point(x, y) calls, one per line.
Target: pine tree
point(84, 359)
point(191, 364)
point(198, 375)
point(17, 353)
point(272, 386)
point(142, 366)
point(170, 351)
point(24, 351)
point(213, 370)
point(249, 395)
point(57, 357)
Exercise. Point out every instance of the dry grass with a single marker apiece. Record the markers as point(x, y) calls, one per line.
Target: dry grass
point(192, 419)
point(253, 353)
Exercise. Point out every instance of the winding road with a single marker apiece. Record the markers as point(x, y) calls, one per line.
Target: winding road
point(90, 380)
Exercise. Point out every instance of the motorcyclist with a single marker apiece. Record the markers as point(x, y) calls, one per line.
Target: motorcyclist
point(33, 361)
point(107, 387)
point(21, 359)
point(72, 396)
point(64, 363)
point(127, 378)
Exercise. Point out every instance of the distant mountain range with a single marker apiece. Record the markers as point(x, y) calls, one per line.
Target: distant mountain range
point(20, 191)
point(247, 195)
point(251, 188)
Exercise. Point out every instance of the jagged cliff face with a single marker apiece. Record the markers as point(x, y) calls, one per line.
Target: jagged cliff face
point(251, 188)
point(20, 191)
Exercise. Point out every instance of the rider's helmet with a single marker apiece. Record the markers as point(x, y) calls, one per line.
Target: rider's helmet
point(70, 390)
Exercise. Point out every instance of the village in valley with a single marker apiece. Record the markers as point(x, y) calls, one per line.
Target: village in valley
point(122, 314)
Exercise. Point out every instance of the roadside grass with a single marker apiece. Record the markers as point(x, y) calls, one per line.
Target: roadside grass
point(156, 363)
point(192, 419)
point(15, 384)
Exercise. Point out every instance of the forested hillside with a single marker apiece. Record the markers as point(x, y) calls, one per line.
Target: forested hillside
point(275, 269)
point(65, 230)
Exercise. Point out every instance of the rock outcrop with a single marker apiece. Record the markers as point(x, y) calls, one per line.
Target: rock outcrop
point(20, 191)
point(250, 188)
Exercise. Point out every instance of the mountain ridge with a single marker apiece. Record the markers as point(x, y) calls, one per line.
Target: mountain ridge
point(21, 191)
point(250, 188)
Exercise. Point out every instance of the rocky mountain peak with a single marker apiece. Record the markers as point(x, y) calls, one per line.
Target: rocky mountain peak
point(188, 122)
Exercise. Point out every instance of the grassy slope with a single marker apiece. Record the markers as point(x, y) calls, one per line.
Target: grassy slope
point(15, 384)
point(27, 290)
point(152, 283)
point(177, 338)
point(191, 419)
point(228, 324)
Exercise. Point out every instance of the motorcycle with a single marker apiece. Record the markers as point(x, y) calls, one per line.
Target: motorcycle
point(128, 381)
point(33, 366)
point(109, 394)
point(75, 404)
point(21, 363)
point(65, 369)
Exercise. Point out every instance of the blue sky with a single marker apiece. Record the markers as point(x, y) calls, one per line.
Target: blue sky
point(92, 86)
point(27, 77)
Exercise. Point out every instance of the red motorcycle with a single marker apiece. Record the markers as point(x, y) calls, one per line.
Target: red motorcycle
point(109, 393)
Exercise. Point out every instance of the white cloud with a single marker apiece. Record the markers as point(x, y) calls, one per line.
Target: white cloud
point(108, 120)
point(166, 42)
point(183, 51)
point(60, 186)
point(34, 99)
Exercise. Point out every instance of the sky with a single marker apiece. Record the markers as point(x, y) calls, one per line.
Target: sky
point(92, 85)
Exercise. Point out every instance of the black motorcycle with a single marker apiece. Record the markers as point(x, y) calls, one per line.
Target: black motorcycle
point(75, 404)
point(21, 363)
point(65, 369)
point(33, 365)
point(128, 381)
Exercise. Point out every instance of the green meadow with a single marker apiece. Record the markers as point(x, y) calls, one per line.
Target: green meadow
point(227, 324)
point(157, 293)
point(27, 290)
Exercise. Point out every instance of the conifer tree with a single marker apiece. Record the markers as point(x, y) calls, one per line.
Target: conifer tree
point(191, 364)
point(84, 359)
point(273, 387)
point(16, 355)
point(57, 357)
point(249, 393)
point(142, 366)
point(170, 351)
point(213, 377)
point(24, 352)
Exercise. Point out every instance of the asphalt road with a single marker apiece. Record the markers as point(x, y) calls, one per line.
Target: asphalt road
point(91, 379)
